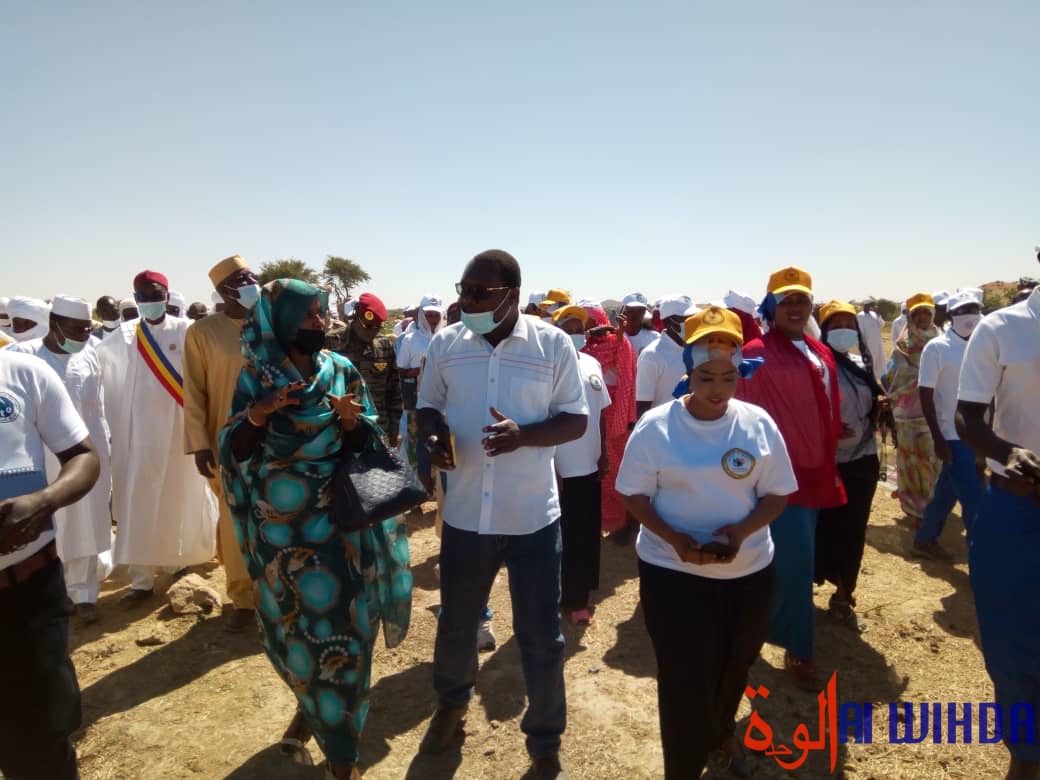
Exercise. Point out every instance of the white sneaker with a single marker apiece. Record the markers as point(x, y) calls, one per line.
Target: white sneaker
point(485, 637)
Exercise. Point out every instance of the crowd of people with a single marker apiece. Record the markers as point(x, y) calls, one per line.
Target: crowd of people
point(735, 441)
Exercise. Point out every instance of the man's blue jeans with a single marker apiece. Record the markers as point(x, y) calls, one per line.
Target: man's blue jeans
point(958, 481)
point(469, 563)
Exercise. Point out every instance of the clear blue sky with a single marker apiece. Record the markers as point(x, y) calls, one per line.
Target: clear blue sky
point(667, 146)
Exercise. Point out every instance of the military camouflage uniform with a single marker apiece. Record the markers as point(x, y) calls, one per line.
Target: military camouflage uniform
point(377, 363)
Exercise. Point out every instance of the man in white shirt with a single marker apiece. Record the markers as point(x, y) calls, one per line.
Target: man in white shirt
point(633, 309)
point(84, 530)
point(660, 366)
point(411, 352)
point(41, 701)
point(939, 375)
point(1002, 365)
point(108, 310)
point(499, 392)
point(870, 327)
point(581, 465)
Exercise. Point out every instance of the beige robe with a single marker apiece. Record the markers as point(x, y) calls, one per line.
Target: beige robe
point(212, 362)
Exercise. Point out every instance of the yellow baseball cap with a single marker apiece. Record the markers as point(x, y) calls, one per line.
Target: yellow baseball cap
point(790, 279)
point(555, 297)
point(836, 307)
point(713, 320)
point(570, 313)
point(919, 300)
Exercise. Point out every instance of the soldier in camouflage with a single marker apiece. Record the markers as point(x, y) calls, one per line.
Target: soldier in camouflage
point(374, 356)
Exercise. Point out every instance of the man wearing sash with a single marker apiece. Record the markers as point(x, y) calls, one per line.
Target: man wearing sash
point(165, 515)
point(212, 362)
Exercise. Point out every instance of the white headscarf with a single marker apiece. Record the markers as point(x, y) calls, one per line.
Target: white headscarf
point(5, 318)
point(31, 309)
point(430, 303)
point(178, 302)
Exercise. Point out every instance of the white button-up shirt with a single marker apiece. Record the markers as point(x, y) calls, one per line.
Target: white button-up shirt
point(531, 376)
point(1003, 362)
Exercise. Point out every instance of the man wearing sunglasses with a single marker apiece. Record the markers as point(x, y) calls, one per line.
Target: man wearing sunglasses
point(499, 393)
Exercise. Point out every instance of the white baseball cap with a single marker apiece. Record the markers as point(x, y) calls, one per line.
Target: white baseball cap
point(677, 306)
point(635, 300)
point(963, 298)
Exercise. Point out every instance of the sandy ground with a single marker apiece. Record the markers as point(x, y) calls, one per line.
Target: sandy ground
point(208, 704)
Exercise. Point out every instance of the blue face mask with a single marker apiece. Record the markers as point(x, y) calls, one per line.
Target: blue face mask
point(578, 339)
point(482, 323)
point(152, 310)
point(68, 346)
point(843, 339)
point(248, 296)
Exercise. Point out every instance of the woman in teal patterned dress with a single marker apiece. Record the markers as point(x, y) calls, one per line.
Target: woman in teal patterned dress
point(321, 593)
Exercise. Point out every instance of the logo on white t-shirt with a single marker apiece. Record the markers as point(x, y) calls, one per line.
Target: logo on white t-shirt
point(738, 463)
point(596, 382)
point(8, 409)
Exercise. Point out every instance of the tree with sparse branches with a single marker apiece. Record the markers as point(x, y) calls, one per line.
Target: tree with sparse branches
point(287, 268)
point(342, 274)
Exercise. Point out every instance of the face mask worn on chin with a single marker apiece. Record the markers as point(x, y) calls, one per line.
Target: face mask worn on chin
point(843, 339)
point(309, 341)
point(69, 346)
point(152, 310)
point(964, 324)
point(578, 339)
point(248, 296)
point(482, 323)
point(111, 324)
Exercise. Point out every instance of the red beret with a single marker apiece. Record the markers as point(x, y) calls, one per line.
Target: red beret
point(368, 303)
point(151, 276)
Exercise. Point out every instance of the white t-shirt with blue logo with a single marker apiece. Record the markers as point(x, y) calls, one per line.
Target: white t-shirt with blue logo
point(705, 474)
point(35, 411)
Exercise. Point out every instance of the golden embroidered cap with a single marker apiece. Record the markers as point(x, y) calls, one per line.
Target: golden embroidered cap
point(919, 300)
point(790, 279)
point(225, 268)
point(568, 313)
point(713, 320)
point(836, 307)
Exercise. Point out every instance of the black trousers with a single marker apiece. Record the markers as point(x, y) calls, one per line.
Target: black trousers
point(841, 532)
point(706, 634)
point(580, 526)
point(39, 693)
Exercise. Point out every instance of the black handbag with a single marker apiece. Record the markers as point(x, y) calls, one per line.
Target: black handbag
point(373, 485)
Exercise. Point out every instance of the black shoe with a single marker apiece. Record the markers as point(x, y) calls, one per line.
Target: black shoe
point(87, 613)
point(547, 768)
point(445, 730)
point(135, 597)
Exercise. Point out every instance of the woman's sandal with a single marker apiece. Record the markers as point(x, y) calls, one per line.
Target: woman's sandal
point(293, 743)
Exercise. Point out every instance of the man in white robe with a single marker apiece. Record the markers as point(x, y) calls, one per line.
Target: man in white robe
point(870, 327)
point(165, 515)
point(83, 529)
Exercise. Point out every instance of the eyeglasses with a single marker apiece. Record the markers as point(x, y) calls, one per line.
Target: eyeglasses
point(476, 293)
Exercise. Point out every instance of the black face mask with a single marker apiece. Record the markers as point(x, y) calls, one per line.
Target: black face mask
point(309, 341)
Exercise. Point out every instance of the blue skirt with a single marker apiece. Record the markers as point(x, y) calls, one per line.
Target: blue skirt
point(792, 623)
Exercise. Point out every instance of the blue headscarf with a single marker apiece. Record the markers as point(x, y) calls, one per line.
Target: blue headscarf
point(693, 355)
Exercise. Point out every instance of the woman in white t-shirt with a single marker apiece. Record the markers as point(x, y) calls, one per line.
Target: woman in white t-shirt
point(705, 475)
point(580, 467)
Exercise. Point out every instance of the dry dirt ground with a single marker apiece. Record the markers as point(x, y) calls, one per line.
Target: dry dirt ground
point(207, 704)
